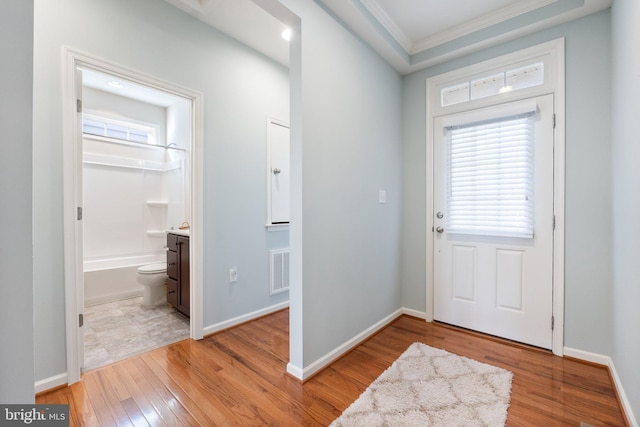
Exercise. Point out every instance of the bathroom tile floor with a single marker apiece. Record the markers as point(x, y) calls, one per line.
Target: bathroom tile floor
point(116, 330)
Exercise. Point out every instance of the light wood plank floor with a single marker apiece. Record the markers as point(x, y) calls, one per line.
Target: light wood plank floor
point(238, 378)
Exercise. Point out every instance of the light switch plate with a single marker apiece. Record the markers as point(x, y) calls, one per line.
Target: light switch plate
point(382, 196)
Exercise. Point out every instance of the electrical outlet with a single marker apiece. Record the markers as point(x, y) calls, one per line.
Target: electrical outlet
point(233, 275)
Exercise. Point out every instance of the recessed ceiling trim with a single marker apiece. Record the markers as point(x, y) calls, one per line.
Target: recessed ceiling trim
point(378, 12)
point(198, 7)
point(477, 24)
point(542, 14)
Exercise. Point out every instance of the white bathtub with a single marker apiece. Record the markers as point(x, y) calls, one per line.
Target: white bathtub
point(114, 279)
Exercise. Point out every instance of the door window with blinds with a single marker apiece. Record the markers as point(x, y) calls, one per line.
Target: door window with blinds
point(490, 174)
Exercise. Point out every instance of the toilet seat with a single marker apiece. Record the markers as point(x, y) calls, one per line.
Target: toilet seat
point(159, 267)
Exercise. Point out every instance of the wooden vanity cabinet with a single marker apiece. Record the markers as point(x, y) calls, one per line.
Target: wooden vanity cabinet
point(178, 285)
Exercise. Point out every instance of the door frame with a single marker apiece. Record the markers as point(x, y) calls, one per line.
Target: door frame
point(72, 195)
point(553, 52)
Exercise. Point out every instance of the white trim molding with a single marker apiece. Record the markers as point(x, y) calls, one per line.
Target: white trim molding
point(50, 383)
point(221, 326)
point(607, 362)
point(324, 361)
point(414, 46)
point(415, 313)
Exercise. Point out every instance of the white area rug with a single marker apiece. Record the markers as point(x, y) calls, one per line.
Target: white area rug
point(427, 386)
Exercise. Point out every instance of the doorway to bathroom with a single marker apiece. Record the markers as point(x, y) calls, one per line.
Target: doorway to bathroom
point(132, 145)
point(135, 179)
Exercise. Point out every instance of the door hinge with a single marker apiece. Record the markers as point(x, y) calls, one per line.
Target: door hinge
point(79, 105)
point(80, 320)
point(79, 213)
point(554, 120)
point(554, 222)
point(553, 322)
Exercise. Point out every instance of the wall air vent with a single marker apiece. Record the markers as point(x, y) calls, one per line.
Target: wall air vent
point(279, 271)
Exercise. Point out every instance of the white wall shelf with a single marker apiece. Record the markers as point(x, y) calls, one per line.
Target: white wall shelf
point(157, 203)
point(122, 162)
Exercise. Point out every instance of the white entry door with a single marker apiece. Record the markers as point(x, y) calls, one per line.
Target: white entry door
point(493, 220)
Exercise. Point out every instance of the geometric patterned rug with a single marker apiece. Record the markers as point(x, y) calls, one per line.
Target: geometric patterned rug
point(427, 386)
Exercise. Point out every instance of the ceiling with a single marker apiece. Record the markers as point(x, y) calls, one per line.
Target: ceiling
point(126, 88)
point(243, 20)
point(409, 34)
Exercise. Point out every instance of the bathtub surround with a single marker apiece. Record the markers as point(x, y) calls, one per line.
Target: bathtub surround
point(112, 284)
point(132, 192)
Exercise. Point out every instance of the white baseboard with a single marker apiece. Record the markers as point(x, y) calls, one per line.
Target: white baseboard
point(626, 406)
point(295, 371)
point(327, 359)
point(49, 383)
point(114, 297)
point(587, 356)
point(212, 329)
point(414, 313)
point(608, 362)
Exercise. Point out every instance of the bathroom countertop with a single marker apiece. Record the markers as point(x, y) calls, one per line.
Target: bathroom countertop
point(179, 232)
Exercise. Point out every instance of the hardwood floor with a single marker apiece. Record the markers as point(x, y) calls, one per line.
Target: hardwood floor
point(238, 378)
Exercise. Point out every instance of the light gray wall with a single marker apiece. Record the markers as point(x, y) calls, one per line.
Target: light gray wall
point(16, 254)
point(240, 88)
point(588, 202)
point(349, 143)
point(626, 196)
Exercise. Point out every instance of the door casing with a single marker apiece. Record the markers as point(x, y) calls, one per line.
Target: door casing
point(553, 52)
point(72, 193)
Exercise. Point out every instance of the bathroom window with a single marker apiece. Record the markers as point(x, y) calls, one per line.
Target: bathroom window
point(118, 129)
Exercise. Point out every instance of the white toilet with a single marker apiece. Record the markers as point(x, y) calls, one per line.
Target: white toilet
point(153, 277)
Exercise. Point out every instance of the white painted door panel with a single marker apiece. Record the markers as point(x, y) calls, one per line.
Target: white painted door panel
point(498, 285)
point(280, 171)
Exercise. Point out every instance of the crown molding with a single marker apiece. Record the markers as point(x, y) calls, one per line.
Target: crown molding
point(368, 20)
point(477, 24)
point(381, 15)
point(195, 7)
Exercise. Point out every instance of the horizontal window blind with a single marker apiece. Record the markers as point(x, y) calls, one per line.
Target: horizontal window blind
point(491, 177)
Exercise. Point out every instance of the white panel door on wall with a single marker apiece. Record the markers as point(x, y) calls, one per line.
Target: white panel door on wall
point(493, 220)
point(279, 171)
